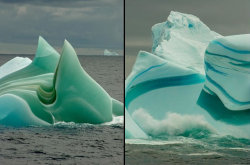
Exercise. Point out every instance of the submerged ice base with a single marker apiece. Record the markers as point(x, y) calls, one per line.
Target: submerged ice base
point(195, 83)
point(52, 88)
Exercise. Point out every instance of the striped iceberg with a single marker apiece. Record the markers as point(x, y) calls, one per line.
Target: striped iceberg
point(52, 88)
point(168, 92)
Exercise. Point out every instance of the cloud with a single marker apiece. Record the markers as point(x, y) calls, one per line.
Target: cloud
point(86, 24)
point(226, 17)
point(66, 3)
point(22, 10)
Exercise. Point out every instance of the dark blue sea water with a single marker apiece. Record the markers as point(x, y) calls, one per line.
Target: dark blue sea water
point(70, 143)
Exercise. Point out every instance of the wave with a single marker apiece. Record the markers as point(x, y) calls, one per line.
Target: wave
point(168, 141)
point(117, 120)
point(173, 124)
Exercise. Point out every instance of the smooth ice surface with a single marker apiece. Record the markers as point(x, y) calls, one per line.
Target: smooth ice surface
point(132, 129)
point(165, 93)
point(110, 53)
point(53, 88)
point(13, 65)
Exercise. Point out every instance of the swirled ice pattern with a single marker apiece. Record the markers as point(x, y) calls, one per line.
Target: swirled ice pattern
point(52, 88)
point(195, 83)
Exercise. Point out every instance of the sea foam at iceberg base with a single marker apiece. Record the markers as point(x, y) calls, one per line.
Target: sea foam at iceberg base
point(194, 83)
point(52, 88)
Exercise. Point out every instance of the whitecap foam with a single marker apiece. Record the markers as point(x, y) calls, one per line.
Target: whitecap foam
point(170, 140)
point(151, 142)
point(116, 120)
point(205, 154)
point(239, 149)
point(173, 124)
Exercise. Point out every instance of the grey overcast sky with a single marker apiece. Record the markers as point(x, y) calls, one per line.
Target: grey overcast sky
point(89, 25)
point(226, 17)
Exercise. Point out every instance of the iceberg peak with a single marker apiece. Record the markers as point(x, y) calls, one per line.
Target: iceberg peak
point(181, 20)
point(182, 39)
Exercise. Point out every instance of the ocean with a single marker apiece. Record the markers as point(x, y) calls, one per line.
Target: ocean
point(70, 143)
point(185, 150)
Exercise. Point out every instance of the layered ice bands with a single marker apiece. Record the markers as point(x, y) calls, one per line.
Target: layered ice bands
point(52, 88)
point(189, 83)
point(227, 65)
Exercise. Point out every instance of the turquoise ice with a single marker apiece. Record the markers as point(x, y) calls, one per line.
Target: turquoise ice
point(195, 83)
point(227, 63)
point(52, 88)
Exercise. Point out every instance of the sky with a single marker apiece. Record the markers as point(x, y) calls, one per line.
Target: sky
point(227, 17)
point(89, 25)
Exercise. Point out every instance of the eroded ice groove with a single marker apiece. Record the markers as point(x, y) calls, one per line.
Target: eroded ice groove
point(53, 89)
point(227, 63)
point(169, 83)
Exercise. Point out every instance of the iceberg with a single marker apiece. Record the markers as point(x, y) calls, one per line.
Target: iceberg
point(110, 53)
point(52, 88)
point(189, 84)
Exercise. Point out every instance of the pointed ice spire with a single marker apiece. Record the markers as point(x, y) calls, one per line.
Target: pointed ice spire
point(45, 61)
point(46, 56)
point(83, 99)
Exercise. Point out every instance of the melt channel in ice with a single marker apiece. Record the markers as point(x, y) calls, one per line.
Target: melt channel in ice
point(52, 88)
point(195, 83)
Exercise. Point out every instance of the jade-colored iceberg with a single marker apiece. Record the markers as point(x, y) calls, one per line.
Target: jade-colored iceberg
point(195, 83)
point(53, 88)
